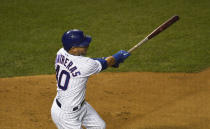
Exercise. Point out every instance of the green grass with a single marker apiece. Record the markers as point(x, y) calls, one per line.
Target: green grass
point(31, 32)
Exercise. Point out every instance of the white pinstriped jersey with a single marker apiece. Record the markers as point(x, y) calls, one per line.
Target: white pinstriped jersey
point(72, 73)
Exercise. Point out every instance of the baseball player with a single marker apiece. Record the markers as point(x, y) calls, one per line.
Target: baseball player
point(69, 109)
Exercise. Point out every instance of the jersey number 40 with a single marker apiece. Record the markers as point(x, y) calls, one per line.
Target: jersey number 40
point(60, 77)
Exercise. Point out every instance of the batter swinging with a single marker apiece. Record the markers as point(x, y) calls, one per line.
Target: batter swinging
point(69, 109)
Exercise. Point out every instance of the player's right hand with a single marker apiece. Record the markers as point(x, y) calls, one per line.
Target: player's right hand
point(120, 56)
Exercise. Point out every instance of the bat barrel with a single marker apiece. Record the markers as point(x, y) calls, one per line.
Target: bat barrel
point(163, 26)
point(159, 29)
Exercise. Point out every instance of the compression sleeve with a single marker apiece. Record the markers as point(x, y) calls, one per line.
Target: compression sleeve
point(103, 63)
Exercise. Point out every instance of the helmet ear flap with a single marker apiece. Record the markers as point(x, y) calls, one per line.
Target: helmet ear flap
point(66, 44)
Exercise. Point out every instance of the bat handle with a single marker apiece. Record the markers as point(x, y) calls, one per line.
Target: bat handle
point(137, 45)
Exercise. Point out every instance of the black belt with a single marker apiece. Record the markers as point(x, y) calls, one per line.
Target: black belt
point(74, 109)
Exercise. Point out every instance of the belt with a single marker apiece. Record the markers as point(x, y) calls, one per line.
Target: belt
point(74, 109)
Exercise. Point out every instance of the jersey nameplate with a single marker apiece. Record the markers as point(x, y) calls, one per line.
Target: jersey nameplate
point(68, 64)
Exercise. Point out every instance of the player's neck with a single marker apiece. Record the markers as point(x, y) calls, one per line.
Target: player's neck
point(74, 53)
point(77, 51)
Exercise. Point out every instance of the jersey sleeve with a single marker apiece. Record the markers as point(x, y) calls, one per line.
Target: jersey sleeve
point(91, 67)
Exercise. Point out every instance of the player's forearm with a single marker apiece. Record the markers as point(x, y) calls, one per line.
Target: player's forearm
point(110, 61)
point(114, 60)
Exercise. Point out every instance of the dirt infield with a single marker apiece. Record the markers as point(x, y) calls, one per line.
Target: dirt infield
point(124, 100)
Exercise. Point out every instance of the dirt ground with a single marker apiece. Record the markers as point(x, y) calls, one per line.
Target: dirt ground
point(128, 100)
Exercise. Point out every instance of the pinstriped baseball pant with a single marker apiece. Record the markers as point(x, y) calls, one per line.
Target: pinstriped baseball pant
point(86, 116)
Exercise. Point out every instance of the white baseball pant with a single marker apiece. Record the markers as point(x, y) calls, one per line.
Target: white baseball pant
point(85, 116)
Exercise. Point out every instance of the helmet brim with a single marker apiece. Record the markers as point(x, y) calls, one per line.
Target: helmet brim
point(85, 42)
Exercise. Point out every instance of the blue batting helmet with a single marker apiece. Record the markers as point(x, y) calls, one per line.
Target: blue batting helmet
point(75, 38)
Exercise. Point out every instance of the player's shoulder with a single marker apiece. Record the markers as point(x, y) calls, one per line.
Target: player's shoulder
point(61, 51)
point(82, 61)
point(89, 64)
point(86, 60)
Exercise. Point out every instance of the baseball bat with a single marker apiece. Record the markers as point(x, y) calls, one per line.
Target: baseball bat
point(159, 29)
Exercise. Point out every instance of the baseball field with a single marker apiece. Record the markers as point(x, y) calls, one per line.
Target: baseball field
point(164, 84)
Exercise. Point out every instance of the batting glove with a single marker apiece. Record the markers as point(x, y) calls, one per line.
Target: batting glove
point(120, 56)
